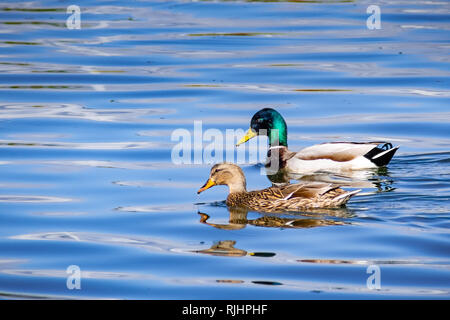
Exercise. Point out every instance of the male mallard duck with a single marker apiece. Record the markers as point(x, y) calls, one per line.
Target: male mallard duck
point(329, 156)
point(292, 197)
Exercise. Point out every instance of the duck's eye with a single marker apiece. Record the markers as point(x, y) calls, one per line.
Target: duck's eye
point(217, 170)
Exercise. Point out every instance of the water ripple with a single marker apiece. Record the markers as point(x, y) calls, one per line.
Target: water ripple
point(32, 199)
point(85, 123)
point(84, 145)
point(73, 111)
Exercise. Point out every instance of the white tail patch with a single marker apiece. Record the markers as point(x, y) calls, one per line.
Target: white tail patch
point(288, 196)
point(384, 152)
point(289, 223)
point(329, 187)
point(348, 194)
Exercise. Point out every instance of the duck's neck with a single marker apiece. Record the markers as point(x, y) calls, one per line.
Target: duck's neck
point(237, 187)
point(278, 134)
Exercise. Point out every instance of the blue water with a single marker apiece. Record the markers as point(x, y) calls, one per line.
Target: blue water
point(87, 178)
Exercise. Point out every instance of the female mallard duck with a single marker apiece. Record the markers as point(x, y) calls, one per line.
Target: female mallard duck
point(330, 156)
point(292, 197)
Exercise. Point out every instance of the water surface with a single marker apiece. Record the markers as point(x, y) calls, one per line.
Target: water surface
point(87, 179)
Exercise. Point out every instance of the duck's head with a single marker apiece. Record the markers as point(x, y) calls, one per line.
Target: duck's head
point(227, 174)
point(267, 122)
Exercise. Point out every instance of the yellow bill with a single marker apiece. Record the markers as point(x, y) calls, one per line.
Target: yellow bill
point(248, 135)
point(207, 185)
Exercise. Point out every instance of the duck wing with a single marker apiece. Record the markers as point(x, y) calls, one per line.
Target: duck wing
point(341, 151)
point(306, 190)
point(293, 197)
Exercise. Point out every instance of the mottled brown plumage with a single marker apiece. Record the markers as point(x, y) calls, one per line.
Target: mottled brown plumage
point(292, 197)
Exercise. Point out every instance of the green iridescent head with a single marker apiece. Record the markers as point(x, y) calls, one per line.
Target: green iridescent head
point(268, 122)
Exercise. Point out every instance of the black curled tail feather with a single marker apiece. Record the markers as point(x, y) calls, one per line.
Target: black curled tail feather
point(381, 155)
point(387, 146)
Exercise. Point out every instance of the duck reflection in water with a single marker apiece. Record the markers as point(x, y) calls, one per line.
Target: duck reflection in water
point(314, 218)
point(226, 248)
point(377, 179)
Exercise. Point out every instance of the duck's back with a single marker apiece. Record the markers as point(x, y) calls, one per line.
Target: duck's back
point(291, 197)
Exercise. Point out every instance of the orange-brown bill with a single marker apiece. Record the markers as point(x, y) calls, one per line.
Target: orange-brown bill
point(207, 185)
